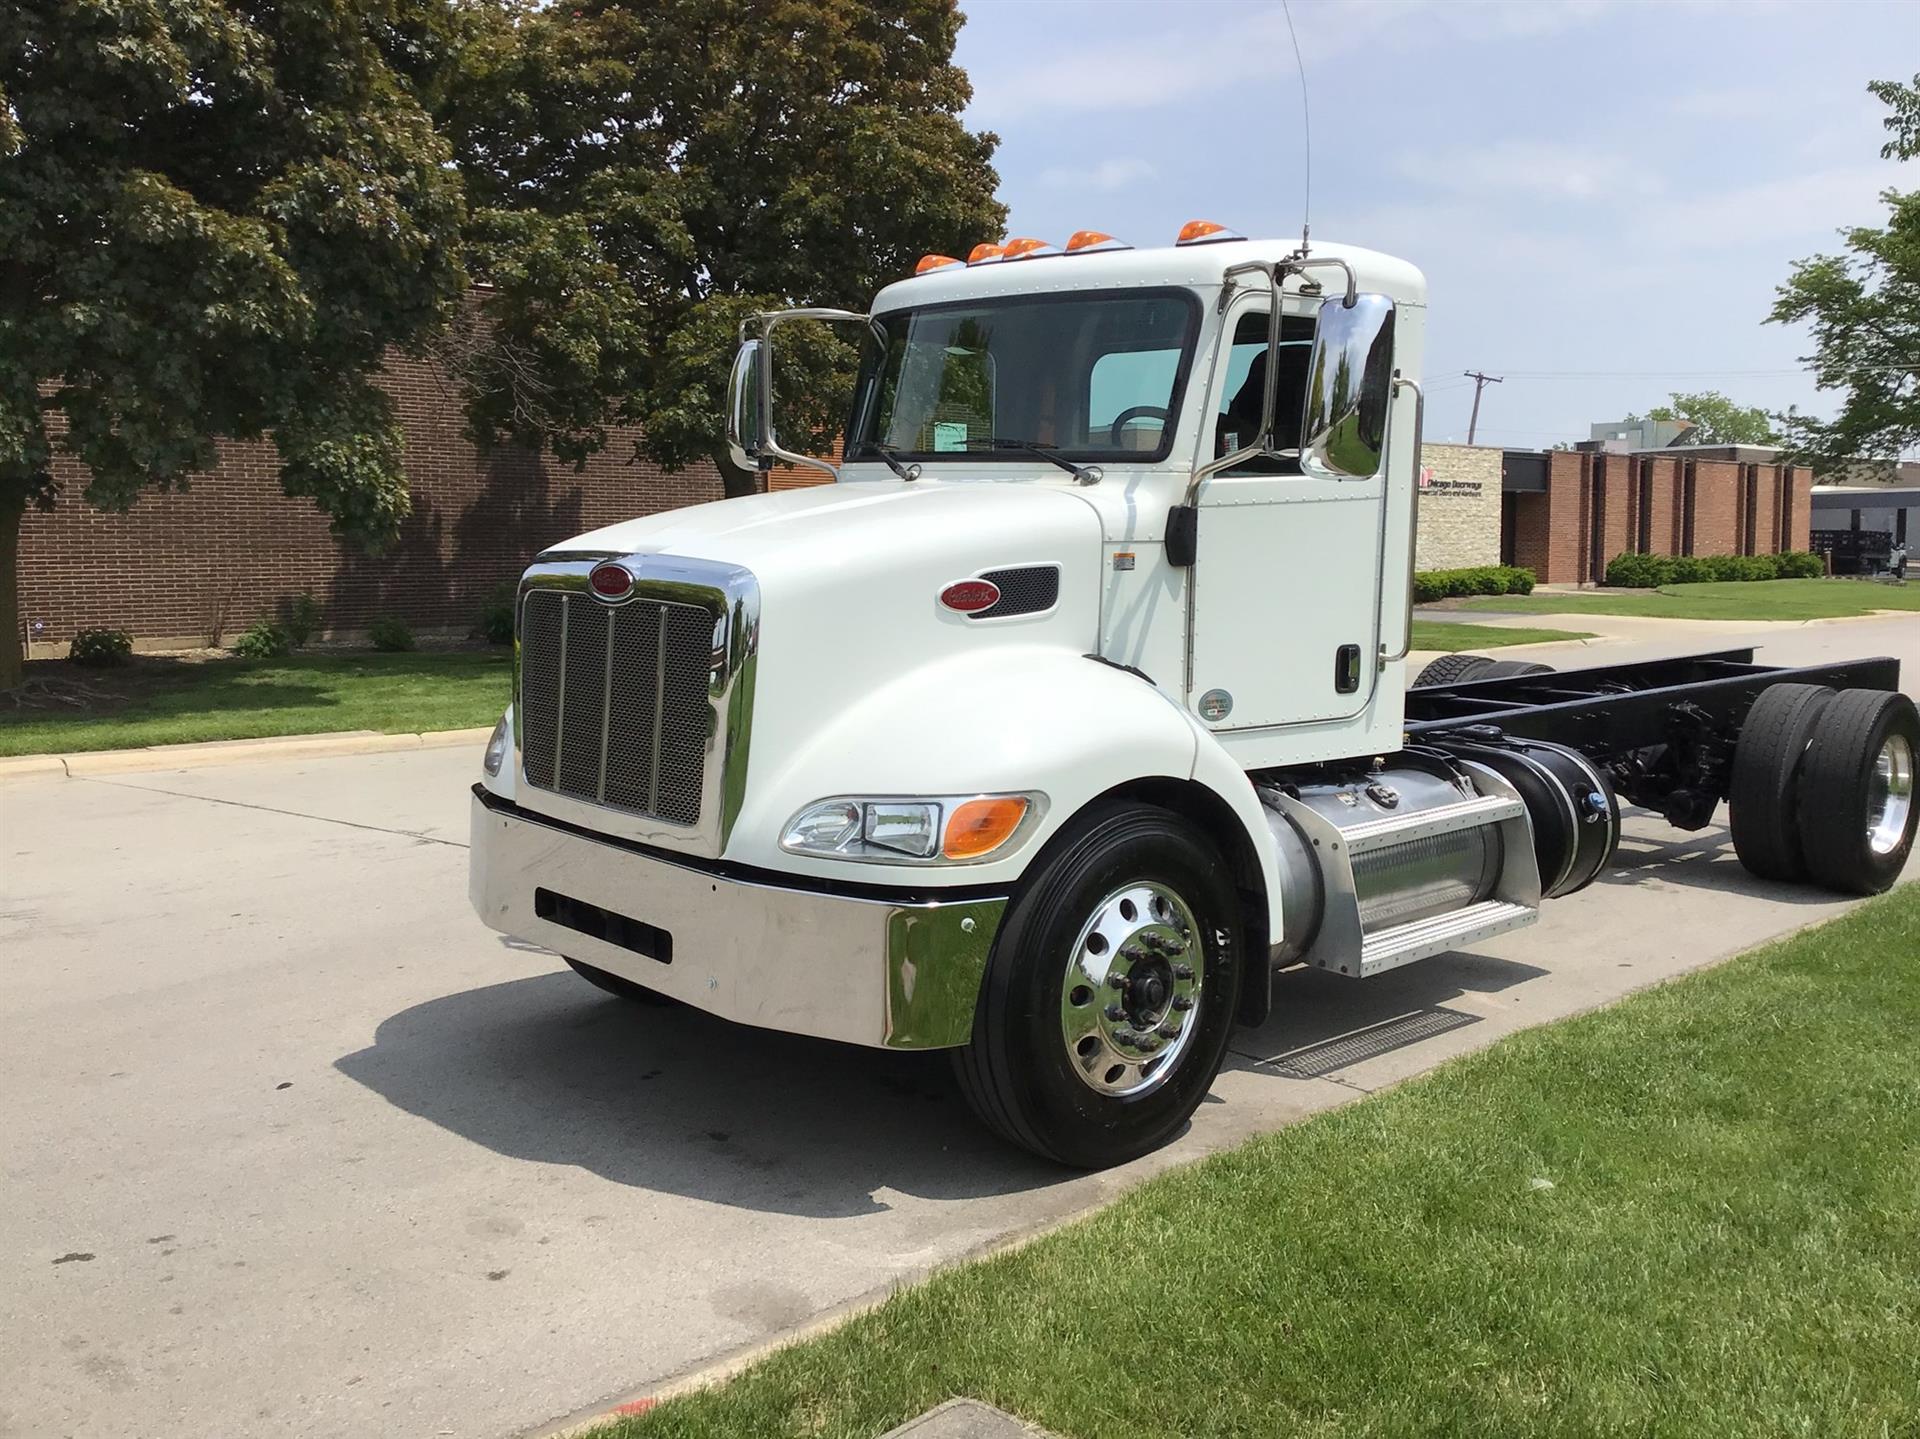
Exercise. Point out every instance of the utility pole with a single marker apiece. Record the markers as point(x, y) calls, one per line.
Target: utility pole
point(1480, 382)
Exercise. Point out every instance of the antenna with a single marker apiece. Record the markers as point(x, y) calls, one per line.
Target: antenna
point(1306, 130)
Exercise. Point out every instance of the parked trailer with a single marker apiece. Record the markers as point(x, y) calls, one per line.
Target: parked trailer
point(1078, 707)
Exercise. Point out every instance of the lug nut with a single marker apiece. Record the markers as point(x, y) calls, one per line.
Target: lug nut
point(1183, 971)
point(1168, 1031)
point(1117, 1013)
point(1183, 1002)
point(1125, 1036)
point(1117, 980)
point(1148, 1044)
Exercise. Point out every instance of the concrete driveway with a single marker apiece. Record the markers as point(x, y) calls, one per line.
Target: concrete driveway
point(293, 1145)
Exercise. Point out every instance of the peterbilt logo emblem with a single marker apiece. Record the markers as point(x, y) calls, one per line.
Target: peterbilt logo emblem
point(610, 581)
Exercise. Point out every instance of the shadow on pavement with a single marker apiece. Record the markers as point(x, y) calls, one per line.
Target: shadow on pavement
point(1323, 1022)
point(1703, 859)
point(670, 1099)
point(547, 1069)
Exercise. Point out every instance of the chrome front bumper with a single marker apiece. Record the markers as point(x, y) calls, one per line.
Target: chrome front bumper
point(898, 974)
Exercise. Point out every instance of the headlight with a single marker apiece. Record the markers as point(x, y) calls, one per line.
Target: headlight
point(946, 829)
point(497, 746)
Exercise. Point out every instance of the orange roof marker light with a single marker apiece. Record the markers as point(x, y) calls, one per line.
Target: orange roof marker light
point(1028, 248)
point(933, 262)
point(985, 254)
point(1205, 232)
point(1092, 242)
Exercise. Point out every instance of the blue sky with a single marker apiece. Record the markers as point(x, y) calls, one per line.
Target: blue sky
point(1609, 187)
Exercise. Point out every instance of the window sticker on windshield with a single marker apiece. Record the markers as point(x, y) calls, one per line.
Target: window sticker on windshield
point(949, 436)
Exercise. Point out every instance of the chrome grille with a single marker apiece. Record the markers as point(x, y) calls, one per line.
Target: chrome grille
point(615, 701)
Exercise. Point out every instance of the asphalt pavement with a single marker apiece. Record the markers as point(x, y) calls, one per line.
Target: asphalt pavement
point(291, 1144)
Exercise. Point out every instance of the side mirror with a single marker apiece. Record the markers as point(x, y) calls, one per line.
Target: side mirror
point(1343, 430)
point(746, 420)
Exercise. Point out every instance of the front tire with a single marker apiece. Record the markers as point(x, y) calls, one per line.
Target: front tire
point(1110, 993)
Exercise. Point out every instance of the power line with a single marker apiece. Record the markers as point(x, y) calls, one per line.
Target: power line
point(1678, 374)
point(1480, 382)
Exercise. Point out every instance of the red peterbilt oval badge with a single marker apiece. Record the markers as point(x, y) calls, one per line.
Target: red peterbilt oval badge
point(970, 596)
point(611, 580)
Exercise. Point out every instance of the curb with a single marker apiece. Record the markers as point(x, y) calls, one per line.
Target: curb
point(217, 752)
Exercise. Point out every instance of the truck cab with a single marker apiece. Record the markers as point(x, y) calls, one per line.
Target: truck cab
point(1075, 707)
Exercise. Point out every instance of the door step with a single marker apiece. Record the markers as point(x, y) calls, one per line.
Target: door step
point(1426, 823)
point(1404, 943)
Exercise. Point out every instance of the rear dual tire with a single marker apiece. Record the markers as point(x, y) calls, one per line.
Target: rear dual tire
point(1823, 787)
point(1459, 669)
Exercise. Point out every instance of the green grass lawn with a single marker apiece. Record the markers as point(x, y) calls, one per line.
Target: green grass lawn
point(1695, 1214)
point(156, 699)
point(1728, 600)
point(1445, 635)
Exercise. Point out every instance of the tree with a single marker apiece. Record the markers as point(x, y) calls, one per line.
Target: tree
point(215, 217)
point(643, 177)
point(1864, 310)
point(1716, 419)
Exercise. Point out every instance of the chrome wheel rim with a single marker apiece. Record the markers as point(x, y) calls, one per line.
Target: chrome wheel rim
point(1890, 795)
point(1132, 996)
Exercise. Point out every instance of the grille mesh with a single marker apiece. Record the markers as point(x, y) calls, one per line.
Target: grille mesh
point(615, 701)
point(1023, 591)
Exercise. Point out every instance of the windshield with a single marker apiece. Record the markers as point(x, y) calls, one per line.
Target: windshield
point(1093, 375)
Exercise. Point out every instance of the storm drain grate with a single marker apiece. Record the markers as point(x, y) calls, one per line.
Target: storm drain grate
point(1329, 1056)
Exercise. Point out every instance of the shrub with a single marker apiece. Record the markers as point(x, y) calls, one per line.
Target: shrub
point(1650, 571)
point(496, 616)
point(390, 635)
point(99, 646)
point(1640, 572)
point(1431, 585)
point(1800, 565)
point(300, 617)
point(1687, 570)
point(262, 640)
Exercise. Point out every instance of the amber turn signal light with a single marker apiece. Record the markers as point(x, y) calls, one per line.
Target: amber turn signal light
point(933, 262)
point(980, 826)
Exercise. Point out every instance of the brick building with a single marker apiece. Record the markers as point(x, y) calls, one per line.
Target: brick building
point(1566, 513)
point(178, 568)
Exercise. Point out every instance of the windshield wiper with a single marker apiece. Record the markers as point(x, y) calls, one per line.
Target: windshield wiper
point(1085, 474)
point(886, 453)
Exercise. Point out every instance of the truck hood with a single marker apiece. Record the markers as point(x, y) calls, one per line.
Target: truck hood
point(826, 527)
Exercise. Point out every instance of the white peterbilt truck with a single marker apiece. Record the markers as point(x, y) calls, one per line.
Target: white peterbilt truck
point(1078, 706)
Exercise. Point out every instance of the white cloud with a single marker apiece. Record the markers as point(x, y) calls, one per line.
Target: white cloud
point(1216, 48)
point(1543, 169)
point(1114, 174)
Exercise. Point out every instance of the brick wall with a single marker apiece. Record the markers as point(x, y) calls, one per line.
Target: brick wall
point(234, 543)
point(1796, 508)
point(1715, 498)
point(1662, 496)
point(1616, 510)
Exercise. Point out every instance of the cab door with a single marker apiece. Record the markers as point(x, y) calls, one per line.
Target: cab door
point(1285, 588)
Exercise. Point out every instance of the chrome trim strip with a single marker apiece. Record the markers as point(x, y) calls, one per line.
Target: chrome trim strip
point(730, 595)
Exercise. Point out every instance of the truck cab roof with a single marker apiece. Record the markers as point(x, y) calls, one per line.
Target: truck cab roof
point(1199, 266)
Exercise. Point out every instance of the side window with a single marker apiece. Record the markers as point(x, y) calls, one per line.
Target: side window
point(1242, 395)
point(1243, 392)
point(1126, 398)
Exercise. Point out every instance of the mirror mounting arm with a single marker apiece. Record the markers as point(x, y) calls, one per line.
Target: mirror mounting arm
point(770, 448)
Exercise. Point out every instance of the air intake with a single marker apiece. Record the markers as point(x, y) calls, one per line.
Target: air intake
point(1024, 590)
